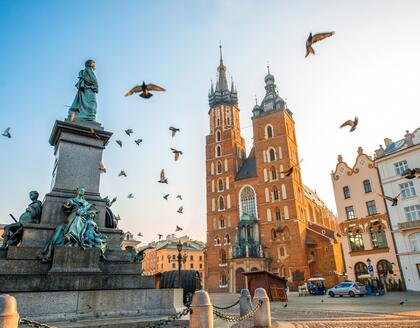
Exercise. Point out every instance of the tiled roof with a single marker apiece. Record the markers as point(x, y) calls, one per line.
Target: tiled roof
point(248, 169)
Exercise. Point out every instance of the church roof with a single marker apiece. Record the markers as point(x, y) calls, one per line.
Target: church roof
point(221, 94)
point(248, 169)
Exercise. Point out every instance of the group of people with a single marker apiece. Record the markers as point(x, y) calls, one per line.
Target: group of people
point(316, 289)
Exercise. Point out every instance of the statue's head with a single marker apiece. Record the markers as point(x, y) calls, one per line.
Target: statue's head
point(90, 63)
point(33, 195)
point(81, 191)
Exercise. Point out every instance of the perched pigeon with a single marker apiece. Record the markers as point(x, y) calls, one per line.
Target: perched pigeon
point(119, 142)
point(163, 179)
point(138, 141)
point(178, 228)
point(129, 131)
point(180, 209)
point(289, 171)
point(144, 90)
point(102, 167)
point(351, 123)
point(179, 197)
point(166, 196)
point(93, 132)
point(394, 200)
point(177, 153)
point(122, 173)
point(6, 133)
point(130, 196)
point(411, 173)
point(173, 130)
point(315, 38)
point(285, 305)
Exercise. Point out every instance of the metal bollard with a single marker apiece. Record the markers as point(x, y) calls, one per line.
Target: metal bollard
point(262, 318)
point(245, 304)
point(9, 316)
point(201, 310)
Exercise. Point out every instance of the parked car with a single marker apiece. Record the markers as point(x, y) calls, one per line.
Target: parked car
point(348, 288)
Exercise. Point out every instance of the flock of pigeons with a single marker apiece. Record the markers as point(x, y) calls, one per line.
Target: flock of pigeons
point(144, 91)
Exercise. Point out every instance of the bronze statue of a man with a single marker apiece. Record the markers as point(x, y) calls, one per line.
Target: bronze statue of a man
point(84, 104)
point(13, 232)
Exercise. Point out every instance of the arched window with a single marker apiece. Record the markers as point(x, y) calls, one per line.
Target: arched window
point(218, 136)
point(286, 213)
point(221, 203)
point(268, 215)
point(360, 268)
point(218, 118)
point(222, 259)
point(269, 131)
point(377, 236)
point(281, 251)
point(212, 168)
point(220, 184)
point(248, 203)
point(283, 191)
point(228, 119)
point(217, 241)
point(278, 214)
point(273, 173)
point(272, 155)
point(284, 272)
point(273, 234)
point(414, 241)
point(356, 240)
point(219, 167)
point(218, 151)
point(286, 234)
point(227, 239)
point(275, 193)
point(222, 222)
point(384, 268)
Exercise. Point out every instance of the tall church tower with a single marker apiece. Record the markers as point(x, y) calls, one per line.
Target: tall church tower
point(225, 151)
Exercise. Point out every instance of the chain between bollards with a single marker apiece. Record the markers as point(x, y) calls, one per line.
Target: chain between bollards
point(234, 318)
point(226, 307)
point(35, 324)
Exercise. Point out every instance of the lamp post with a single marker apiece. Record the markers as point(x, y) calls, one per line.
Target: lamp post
point(180, 259)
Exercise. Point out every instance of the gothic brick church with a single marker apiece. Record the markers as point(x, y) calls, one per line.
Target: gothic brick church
point(258, 218)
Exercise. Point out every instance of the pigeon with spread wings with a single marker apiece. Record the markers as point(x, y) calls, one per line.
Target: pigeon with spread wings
point(178, 228)
point(163, 179)
point(289, 171)
point(176, 153)
point(144, 90)
point(411, 173)
point(102, 167)
point(160, 236)
point(180, 210)
point(351, 123)
point(394, 200)
point(6, 133)
point(315, 38)
point(179, 197)
point(130, 196)
point(138, 141)
point(122, 174)
point(119, 142)
point(165, 197)
point(173, 130)
point(128, 132)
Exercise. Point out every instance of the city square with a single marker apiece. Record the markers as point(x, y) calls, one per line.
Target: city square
point(209, 164)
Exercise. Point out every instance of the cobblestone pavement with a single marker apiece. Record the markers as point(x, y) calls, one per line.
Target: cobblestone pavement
point(324, 311)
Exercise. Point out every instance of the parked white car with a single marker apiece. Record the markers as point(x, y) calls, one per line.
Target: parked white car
point(348, 288)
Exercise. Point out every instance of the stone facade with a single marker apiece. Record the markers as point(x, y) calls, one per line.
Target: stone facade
point(130, 241)
point(363, 220)
point(161, 257)
point(405, 218)
point(258, 218)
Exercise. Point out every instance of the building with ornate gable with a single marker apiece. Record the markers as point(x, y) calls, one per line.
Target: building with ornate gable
point(257, 217)
point(363, 220)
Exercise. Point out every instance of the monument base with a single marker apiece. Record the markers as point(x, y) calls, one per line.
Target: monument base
point(76, 305)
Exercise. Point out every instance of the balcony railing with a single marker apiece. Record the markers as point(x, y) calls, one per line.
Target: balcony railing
point(409, 225)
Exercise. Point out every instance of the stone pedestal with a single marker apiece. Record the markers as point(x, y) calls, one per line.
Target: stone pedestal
point(75, 260)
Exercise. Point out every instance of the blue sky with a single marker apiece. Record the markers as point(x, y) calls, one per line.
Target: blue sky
point(370, 68)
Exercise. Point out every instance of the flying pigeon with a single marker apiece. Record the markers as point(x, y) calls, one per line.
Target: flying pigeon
point(178, 228)
point(166, 196)
point(411, 173)
point(174, 131)
point(93, 132)
point(315, 38)
point(285, 305)
point(163, 179)
point(140, 234)
point(138, 141)
point(129, 131)
point(113, 201)
point(180, 209)
point(102, 167)
point(402, 302)
point(351, 123)
point(394, 200)
point(179, 197)
point(177, 153)
point(130, 196)
point(289, 171)
point(119, 142)
point(160, 236)
point(144, 90)
point(6, 133)
point(122, 173)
